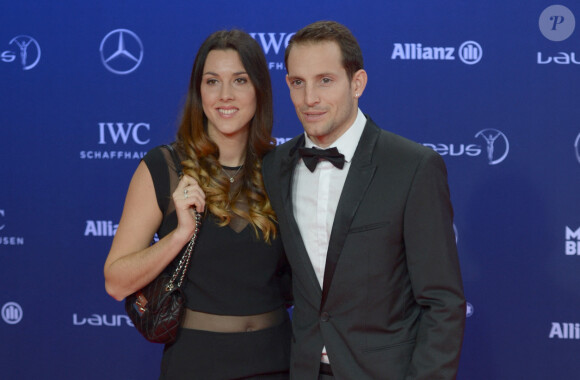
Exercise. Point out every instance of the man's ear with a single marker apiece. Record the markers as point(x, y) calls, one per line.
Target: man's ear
point(359, 83)
point(287, 80)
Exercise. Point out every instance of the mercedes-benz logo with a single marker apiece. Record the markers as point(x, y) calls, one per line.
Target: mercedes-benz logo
point(121, 51)
point(28, 47)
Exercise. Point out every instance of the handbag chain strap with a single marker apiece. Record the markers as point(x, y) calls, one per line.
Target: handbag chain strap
point(186, 257)
point(181, 269)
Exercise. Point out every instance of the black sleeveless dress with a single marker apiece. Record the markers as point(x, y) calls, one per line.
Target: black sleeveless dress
point(232, 272)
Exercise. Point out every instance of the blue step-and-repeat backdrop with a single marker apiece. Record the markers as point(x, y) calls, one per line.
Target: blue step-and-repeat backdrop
point(88, 87)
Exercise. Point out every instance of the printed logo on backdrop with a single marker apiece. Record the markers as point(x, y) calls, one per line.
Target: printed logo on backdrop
point(26, 52)
point(469, 310)
point(102, 320)
point(577, 148)
point(119, 134)
point(102, 228)
point(564, 330)
point(282, 140)
point(496, 143)
point(469, 52)
point(11, 313)
point(121, 51)
point(572, 241)
point(495, 147)
point(8, 240)
point(274, 46)
point(557, 23)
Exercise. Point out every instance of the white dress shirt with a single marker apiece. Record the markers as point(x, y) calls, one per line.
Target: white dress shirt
point(315, 197)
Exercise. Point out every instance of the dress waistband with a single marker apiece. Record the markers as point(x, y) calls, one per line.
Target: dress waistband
point(198, 320)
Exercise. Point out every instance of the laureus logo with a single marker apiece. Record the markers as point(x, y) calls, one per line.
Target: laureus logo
point(27, 52)
point(497, 145)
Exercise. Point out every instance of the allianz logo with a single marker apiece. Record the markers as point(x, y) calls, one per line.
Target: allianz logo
point(100, 228)
point(560, 59)
point(102, 320)
point(469, 52)
point(565, 330)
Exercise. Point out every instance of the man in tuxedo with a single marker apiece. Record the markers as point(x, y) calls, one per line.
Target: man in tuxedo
point(367, 224)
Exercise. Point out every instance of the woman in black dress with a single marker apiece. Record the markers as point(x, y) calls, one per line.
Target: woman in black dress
point(236, 324)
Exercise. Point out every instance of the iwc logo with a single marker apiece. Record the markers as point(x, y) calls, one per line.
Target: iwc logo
point(121, 51)
point(274, 45)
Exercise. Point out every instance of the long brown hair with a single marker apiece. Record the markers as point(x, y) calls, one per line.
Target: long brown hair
point(203, 153)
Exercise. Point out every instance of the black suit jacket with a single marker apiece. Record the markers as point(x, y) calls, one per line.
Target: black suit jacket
point(392, 306)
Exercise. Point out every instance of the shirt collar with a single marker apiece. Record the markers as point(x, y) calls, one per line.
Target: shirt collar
point(347, 143)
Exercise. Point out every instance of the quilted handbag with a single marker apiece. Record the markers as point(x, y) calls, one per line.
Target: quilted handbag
point(157, 309)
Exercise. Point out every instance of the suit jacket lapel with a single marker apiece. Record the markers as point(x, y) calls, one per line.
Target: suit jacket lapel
point(359, 177)
point(287, 166)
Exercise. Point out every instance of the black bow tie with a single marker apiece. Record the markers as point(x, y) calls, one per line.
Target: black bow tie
point(311, 156)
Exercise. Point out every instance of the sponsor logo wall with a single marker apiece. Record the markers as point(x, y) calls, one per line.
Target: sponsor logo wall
point(86, 97)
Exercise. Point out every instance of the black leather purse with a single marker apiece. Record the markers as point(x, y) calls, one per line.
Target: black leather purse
point(158, 309)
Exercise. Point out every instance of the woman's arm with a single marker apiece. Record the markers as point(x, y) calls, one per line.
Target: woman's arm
point(133, 262)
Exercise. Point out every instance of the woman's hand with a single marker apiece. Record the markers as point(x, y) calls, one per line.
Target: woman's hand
point(188, 197)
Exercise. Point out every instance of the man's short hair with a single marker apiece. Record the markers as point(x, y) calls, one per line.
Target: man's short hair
point(330, 31)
